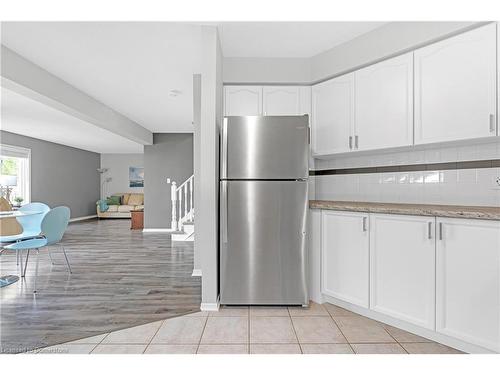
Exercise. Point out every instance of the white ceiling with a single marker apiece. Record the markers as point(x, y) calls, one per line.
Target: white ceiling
point(25, 116)
point(132, 66)
point(287, 39)
point(129, 66)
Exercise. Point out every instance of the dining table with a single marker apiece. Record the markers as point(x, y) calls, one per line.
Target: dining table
point(6, 280)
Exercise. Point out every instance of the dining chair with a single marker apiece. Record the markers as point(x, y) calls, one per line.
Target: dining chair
point(31, 225)
point(53, 226)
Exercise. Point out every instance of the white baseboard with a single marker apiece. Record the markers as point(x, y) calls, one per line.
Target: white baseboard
point(210, 306)
point(196, 272)
point(82, 218)
point(158, 230)
point(420, 331)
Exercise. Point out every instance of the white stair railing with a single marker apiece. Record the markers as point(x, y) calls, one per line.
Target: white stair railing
point(182, 203)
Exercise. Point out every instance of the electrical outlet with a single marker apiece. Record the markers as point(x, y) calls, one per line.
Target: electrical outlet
point(498, 181)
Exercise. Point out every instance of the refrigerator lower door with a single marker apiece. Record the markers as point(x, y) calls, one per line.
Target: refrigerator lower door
point(263, 248)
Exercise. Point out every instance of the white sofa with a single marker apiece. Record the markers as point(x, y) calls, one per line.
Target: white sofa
point(131, 201)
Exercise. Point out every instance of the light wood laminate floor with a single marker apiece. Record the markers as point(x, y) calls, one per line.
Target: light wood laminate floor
point(121, 278)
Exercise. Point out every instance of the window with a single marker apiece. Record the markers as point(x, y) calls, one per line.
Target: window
point(15, 179)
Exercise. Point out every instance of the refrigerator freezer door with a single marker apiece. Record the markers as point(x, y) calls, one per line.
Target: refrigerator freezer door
point(263, 252)
point(271, 147)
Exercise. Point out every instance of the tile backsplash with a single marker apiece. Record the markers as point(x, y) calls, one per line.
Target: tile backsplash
point(462, 186)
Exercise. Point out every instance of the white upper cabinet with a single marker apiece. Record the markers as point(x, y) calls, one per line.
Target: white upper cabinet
point(468, 281)
point(281, 100)
point(384, 104)
point(332, 117)
point(345, 256)
point(267, 100)
point(455, 87)
point(402, 268)
point(243, 100)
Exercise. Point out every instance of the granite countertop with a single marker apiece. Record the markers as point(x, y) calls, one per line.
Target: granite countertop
point(466, 212)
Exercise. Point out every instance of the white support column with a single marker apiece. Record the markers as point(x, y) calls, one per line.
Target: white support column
point(173, 196)
point(207, 226)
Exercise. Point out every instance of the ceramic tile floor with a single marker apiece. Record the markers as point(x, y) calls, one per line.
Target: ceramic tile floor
point(320, 329)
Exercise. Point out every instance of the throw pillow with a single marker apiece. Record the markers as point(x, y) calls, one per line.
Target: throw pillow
point(113, 200)
point(135, 199)
point(126, 196)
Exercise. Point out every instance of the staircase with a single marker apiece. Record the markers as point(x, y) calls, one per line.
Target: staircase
point(182, 210)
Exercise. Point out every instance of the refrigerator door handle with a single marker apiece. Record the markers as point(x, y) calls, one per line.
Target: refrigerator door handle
point(223, 211)
point(223, 156)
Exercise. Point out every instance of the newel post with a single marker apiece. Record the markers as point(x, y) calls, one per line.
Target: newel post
point(173, 195)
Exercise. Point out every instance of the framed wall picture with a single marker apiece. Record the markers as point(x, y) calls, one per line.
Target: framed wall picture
point(136, 177)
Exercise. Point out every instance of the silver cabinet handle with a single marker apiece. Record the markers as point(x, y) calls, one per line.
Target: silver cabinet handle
point(364, 223)
point(356, 142)
point(492, 123)
point(440, 231)
point(429, 230)
point(350, 142)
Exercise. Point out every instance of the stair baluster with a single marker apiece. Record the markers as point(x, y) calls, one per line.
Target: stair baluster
point(182, 203)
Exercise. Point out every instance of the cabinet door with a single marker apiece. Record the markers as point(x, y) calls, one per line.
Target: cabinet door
point(384, 104)
point(402, 274)
point(332, 115)
point(243, 100)
point(345, 256)
point(455, 94)
point(468, 281)
point(281, 100)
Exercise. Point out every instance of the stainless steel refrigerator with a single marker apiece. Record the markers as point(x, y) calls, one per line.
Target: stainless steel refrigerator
point(263, 210)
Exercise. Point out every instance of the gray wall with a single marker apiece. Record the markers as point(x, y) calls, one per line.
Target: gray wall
point(170, 155)
point(61, 175)
point(118, 169)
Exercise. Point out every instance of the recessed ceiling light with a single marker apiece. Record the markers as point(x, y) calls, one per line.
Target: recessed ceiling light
point(174, 93)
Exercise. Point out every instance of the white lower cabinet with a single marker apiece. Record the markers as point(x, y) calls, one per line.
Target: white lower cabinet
point(468, 281)
point(402, 268)
point(344, 243)
point(440, 274)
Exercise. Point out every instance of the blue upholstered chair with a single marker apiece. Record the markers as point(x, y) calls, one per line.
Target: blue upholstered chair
point(31, 225)
point(53, 226)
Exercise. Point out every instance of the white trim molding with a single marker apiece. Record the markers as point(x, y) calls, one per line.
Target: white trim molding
point(158, 230)
point(417, 330)
point(210, 306)
point(24, 171)
point(82, 218)
point(196, 272)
